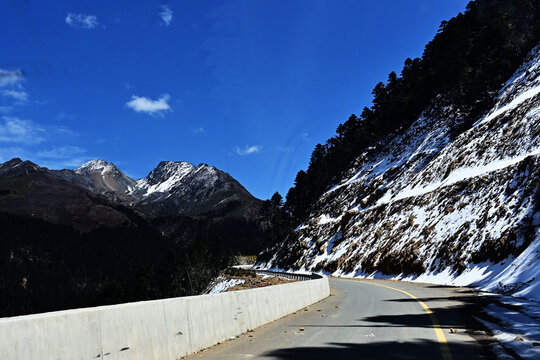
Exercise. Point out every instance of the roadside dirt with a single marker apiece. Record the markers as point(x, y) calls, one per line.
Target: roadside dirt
point(258, 281)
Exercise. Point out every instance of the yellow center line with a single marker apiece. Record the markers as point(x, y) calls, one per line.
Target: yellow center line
point(445, 350)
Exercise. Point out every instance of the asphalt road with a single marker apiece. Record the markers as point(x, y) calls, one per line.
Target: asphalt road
point(366, 320)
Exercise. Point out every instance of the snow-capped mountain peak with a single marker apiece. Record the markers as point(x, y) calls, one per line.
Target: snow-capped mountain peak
point(164, 177)
point(102, 177)
point(96, 165)
point(179, 187)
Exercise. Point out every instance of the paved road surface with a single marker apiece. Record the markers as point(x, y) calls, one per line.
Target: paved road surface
point(364, 320)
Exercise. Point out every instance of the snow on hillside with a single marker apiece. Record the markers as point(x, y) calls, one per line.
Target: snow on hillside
point(169, 176)
point(164, 177)
point(431, 206)
point(221, 284)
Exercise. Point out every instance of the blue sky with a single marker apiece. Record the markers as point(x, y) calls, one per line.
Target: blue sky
point(247, 86)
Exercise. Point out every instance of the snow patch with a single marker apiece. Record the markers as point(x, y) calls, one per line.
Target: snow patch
point(512, 105)
point(222, 284)
point(455, 177)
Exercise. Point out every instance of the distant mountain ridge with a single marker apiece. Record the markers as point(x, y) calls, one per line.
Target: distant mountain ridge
point(30, 190)
point(173, 188)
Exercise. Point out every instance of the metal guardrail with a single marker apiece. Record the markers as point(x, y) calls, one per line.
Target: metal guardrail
point(287, 275)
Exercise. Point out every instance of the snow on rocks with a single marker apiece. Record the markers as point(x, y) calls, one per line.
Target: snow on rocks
point(164, 177)
point(96, 165)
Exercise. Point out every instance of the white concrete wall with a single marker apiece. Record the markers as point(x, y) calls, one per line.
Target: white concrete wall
point(160, 329)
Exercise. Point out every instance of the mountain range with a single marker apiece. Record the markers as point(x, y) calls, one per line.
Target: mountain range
point(99, 194)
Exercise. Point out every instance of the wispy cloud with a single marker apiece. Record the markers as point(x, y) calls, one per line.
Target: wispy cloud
point(247, 150)
point(198, 130)
point(28, 140)
point(82, 21)
point(284, 149)
point(20, 96)
point(6, 109)
point(62, 157)
point(7, 153)
point(166, 15)
point(10, 77)
point(46, 145)
point(65, 116)
point(149, 106)
point(63, 131)
point(16, 130)
point(61, 152)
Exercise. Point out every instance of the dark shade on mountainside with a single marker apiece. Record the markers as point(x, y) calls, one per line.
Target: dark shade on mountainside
point(99, 194)
point(47, 267)
point(29, 190)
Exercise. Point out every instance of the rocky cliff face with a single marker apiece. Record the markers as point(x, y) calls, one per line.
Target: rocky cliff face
point(101, 178)
point(435, 205)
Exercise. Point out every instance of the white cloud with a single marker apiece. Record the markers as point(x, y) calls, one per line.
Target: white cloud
point(146, 105)
point(198, 130)
point(166, 15)
point(20, 96)
point(82, 21)
point(6, 109)
point(15, 130)
point(246, 150)
point(10, 77)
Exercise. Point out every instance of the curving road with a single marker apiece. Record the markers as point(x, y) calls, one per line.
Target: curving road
point(366, 319)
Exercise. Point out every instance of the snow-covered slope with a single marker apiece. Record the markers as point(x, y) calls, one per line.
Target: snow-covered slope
point(181, 188)
point(428, 205)
point(163, 178)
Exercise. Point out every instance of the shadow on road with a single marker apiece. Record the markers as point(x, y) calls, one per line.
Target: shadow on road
point(429, 350)
point(465, 305)
point(456, 314)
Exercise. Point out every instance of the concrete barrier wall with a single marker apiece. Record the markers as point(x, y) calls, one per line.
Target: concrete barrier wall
point(160, 329)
